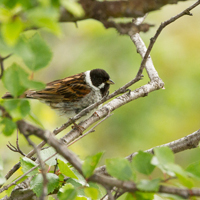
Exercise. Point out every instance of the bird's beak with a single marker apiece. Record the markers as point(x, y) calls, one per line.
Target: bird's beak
point(110, 82)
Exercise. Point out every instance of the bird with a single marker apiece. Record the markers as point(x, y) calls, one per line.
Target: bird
point(70, 95)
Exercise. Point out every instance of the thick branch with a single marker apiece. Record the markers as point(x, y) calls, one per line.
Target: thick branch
point(101, 179)
point(103, 10)
point(188, 142)
point(161, 27)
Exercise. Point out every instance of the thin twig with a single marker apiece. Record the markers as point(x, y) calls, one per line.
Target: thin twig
point(96, 177)
point(139, 72)
point(17, 148)
point(25, 174)
point(91, 130)
point(110, 196)
point(121, 90)
point(161, 27)
point(1, 64)
point(42, 166)
point(17, 165)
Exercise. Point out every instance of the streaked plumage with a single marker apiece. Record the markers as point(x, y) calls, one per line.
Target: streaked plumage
point(72, 94)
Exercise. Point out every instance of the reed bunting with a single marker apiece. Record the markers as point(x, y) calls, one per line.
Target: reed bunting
point(72, 94)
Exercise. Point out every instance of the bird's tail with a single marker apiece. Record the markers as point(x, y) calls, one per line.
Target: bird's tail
point(7, 96)
point(27, 94)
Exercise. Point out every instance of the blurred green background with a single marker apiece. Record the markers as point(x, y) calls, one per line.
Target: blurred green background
point(161, 117)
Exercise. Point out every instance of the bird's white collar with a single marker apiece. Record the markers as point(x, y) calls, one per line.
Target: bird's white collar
point(88, 80)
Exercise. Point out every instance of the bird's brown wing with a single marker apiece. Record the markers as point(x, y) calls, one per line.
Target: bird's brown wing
point(68, 89)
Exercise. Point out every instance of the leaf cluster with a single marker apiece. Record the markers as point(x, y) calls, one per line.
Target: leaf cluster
point(67, 183)
point(19, 36)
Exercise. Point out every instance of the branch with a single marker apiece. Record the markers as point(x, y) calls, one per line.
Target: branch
point(18, 179)
point(125, 28)
point(103, 10)
point(91, 130)
point(42, 166)
point(150, 70)
point(101, 179)
point(17, 148)
point(188, 142)
point(161, 27)
point(1, 64)
point(17, 166)
point(49, 138)
point(159, 84)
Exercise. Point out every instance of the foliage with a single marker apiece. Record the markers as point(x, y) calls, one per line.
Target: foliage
point(23, 23)
point(74, 186)
point(90, 164)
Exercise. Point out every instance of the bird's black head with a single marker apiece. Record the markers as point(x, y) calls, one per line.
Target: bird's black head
point(101, 79)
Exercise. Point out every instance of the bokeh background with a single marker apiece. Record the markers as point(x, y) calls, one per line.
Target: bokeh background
point(161, 117)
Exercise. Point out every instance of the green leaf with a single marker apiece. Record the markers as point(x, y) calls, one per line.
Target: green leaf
point(35, 85)
point(119, 168)
point(12, 82)
point(81, 179)
point(27, 164)
point(164, 159)
point(36, 183)
point(90, 164)
point(194, 170)
point(170, 196)
point(65, 169)
point(81, 198)
point(23, 49)
point(24, 107)
point(181, 174)
point(53, 182)
point(149, 185)
point(73, 7)
point(55, 3)
point(61, 178)
point(5, 14)
point(18, 108)
point(130, 196)
point(46, 153)
point(93, 193)
point(78, 185)
point(24, 78)
point(99, 189)
point(10, 4)
point(142, 163)
point(67, 192)
point(144, 195)
point(50, 198)
point(11, 104)
point(27, 4)
point(45, 17)
point(11, 30)
point(41, 53)
point(10, 189)
point(164, 155)
point(9, 126)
